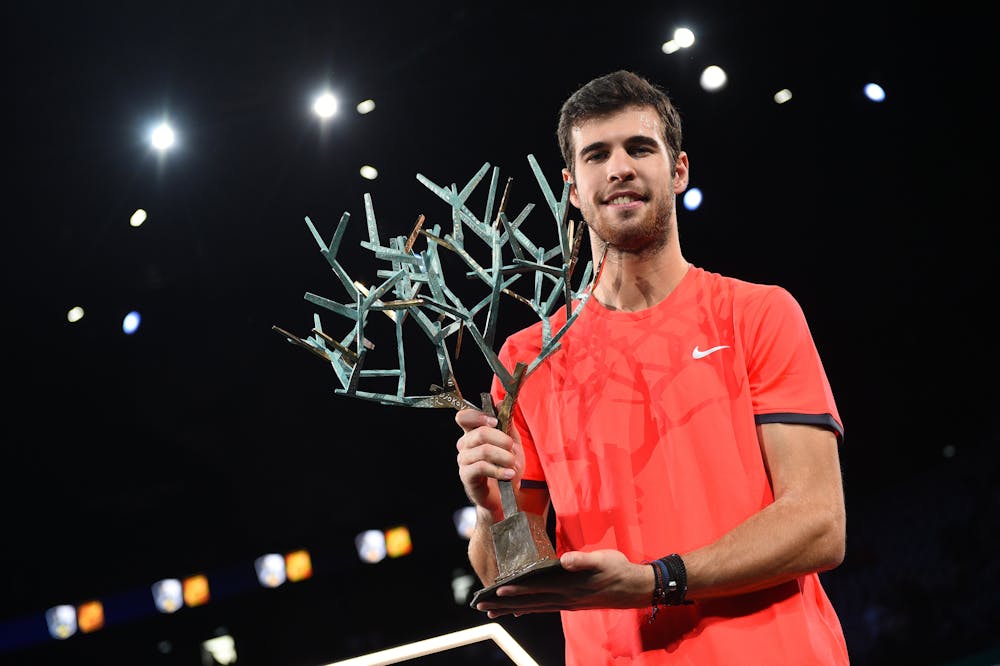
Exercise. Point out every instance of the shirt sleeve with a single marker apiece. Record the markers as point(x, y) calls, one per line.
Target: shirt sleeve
point(788, 383)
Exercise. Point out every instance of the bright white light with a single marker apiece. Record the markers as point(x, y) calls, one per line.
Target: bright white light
point(163, 136)
point(75, 314)
point(782, 96)
point(168, 595)
point(371, 546)
point(684, 37)
point(692, 198)
point(713, 78)
point(460, 586)
point(130, 324)
point(138, 217)
point(270, 569)
point(369, 172)
point(874, 92)
point(465, 521)
point(221, 649)
point(366, 106)
point(61, 621)
point(325, 105)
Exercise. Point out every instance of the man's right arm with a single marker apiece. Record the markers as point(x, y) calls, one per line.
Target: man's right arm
point(486, 455)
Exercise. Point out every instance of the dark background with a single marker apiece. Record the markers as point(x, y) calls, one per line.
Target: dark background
point(205, 440)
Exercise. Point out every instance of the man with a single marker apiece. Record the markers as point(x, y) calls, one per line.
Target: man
point(685, 432)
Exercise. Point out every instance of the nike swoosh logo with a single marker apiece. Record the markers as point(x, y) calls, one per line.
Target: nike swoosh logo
point(697, 353)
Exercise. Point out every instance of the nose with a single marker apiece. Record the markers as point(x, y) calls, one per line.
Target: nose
point(621, 166)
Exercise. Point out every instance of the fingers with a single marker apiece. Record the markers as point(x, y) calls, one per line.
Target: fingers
point(470, 419)
point(486, 452)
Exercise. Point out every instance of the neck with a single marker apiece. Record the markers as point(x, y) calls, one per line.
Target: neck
point(632, 282)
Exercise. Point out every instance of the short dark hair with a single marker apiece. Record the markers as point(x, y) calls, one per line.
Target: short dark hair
point(613, 92)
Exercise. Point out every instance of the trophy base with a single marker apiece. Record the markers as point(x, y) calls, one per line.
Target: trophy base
point(547, 569)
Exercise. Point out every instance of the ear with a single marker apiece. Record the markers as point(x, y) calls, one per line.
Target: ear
point(574, 198)
point(681, 173)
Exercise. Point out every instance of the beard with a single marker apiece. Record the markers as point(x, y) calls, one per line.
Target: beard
point(632, 232)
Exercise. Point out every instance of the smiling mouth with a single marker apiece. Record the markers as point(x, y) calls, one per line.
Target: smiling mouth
point(623, 200)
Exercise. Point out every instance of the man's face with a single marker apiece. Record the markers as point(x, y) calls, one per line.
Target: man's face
point(624, 184)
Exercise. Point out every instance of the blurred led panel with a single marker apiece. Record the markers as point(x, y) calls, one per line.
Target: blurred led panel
point(74, 314)
point(90, 616)
point(61, 621)
point(138, 217)
point(397, 542)
point(298, 565)
point(465, 521)
point(168, 595)
point(370, 545)
point(270, 569)
point(366, 106)
point(196, 591)
point(219, 650)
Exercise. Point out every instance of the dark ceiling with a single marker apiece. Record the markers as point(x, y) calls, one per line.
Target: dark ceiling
point(205, 439)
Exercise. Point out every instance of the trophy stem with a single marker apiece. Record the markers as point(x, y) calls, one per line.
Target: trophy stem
point(520, 542)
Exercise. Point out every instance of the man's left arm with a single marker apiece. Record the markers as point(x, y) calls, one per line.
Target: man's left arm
point(802, 531)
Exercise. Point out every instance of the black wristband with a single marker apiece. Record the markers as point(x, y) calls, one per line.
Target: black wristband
point(675, 588)
point(660, 575)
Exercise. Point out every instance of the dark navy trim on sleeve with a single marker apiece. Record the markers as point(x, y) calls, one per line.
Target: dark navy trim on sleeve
point(823, 420)
point(535, 485)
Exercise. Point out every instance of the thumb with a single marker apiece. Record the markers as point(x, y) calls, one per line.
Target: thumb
point(574, 561)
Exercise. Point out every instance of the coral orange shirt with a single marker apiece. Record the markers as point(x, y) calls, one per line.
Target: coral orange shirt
point(642, 426)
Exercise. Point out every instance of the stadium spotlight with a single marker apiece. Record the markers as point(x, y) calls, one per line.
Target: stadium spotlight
point(465, 521)
point(298, 565)
point(325, 105)
point(692, 198)
point(713, 78)
point(196, 592)
point(162, 136)
point(371, 546)
point(218, 650)
point(874, 92)
point(61, 621)
point(130, 324)
point(168, 595)
point(398, 542)
point(270, 570)
point(90, 616)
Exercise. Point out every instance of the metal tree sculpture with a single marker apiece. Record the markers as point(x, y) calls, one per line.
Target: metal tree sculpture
point(419, 291)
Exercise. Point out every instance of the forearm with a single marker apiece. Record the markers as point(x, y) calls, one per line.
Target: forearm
point(789, 538)
point(481, 553)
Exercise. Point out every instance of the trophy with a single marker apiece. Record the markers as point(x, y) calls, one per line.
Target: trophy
point(497, 255)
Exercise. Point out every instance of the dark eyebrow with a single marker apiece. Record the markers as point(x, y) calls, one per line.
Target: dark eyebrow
point(636, 140)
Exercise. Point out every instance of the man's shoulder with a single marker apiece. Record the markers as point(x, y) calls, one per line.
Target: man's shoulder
point(739, 289)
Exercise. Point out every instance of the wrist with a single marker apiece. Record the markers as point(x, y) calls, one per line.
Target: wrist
point(669, 583)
